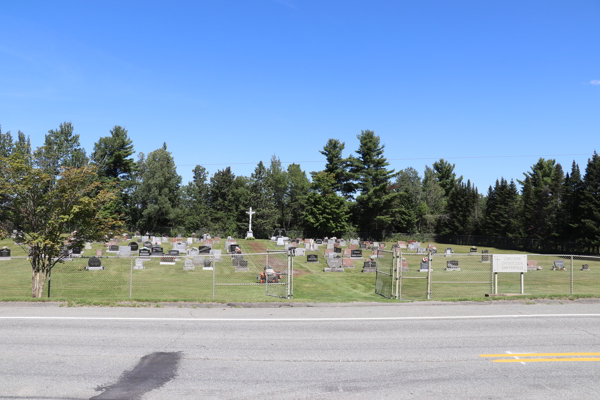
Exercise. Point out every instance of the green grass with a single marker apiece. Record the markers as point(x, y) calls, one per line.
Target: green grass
point(162, 283)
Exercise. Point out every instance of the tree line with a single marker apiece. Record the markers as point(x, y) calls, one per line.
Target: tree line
point(354, 195)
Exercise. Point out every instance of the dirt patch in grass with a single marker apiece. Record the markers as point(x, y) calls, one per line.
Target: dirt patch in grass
point(256, 247)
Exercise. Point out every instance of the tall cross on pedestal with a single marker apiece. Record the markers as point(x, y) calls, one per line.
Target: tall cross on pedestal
point(250, 223)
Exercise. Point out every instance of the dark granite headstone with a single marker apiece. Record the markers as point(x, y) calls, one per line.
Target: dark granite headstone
point(148, 244)
point(113, 247)
point(203, 250)
point(356, 253)
point(144, 252)
point(174, 253)
point(134, 246)
point(157, 251)
point(319, 241)
point(94, 262)
point(4, 253)
point(233, 247)
point(312, 258)
point(76, 250)
point(337, 249)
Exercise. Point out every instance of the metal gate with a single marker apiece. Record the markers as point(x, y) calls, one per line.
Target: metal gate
point(385, 273)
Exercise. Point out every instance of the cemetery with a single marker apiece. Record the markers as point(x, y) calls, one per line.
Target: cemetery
point(324, 270)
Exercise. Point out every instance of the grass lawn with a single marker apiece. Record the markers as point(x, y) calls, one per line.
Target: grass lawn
point(156, 282)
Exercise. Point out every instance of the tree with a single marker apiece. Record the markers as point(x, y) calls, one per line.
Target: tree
point(542, 189)
point(502, 210)
point(444, 173)
point(157, 193)
point(298, 187)
point(43, 207)
point(590, 206)
point(261, 201)
point(112, 154)
point(571, 204)
point(408, 187)
point(432, 207)
point(326, 213)
point(61, 149)
point(278, 181)
point(338, 167)
point(6, 143)
point(462, 214)
point(222, 201)
point(375, 202)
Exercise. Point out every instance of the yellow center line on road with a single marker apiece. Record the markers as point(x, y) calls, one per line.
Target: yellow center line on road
point(528, 360)
point(539, 354)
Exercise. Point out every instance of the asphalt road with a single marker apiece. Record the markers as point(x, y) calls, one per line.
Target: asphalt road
point(406, 351)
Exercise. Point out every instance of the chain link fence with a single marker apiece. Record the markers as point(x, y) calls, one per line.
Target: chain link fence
point(230, 277)
point(450, 275)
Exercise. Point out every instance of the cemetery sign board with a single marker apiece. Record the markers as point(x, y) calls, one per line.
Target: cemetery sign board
point(509, 263)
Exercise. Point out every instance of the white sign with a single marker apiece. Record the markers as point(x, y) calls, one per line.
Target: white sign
point(509, 263)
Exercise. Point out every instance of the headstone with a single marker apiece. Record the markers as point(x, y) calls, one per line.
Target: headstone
point(347, 252)
point(87, 246)
point(203, 250)
point(113, 248)
point(133, 246)
point(198, 261)
point(193, 252)
point(216, 254)
point(319, 241)
point(532, 265)
point(163, 240)
point(356, 253)
point(558, 265)
point(382, 246)
point(299, 252)
point(182, 247)
point(167, 260)
point(334, 265)
point(312, 258)
point(208, 266)
point(585, 267)
point(173, 253)
point(338, 250)
point(448, 252)
point(279, 241)
point(362, 245)
point(452, 265)
point(94, 264)
point(76, 252)
point(188, 265)
point(233, 248)
point(473, 249)
point(148, 244)
point(99, 253)
point(242, 266)
point(144, 252)
point(485, 257)
point(146, 239)
point(347, 263)
point(139, 263)
point(404, 265)
point(369, 266)
point(190, 241)
point(124, 251)
point(424, 267)
point(157, 251)
point(5, 254)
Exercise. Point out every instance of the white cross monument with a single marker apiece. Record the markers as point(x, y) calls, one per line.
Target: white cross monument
point(249, 233)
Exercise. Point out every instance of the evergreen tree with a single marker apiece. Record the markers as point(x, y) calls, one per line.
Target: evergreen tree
point(375, 202)
point(298, 187)
point(265, 219)
point(433, 204)
point(6, 143)
point(338, 167)
point(222, 202)
point(278, 181)
point(326, 213)
point(571, 205)
point(157, 192)
point(444, 173)
point(590, 206)
point(61, 149)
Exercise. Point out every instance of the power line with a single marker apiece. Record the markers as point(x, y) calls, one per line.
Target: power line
point(403, 159)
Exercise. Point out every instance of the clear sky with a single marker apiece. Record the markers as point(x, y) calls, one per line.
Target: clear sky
point(489, 85)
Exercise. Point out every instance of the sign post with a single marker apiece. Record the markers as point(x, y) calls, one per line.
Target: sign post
point(509, 263)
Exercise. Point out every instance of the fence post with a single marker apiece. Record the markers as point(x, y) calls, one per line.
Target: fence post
point(571, 277)
point(398, 275)
point(50, 282)
point(430, 261)
point(130, 277)
point(214, 277)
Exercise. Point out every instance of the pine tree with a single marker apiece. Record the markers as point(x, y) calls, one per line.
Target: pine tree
point(590, 206)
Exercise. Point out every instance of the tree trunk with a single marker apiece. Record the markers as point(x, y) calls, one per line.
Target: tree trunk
point(37, 284)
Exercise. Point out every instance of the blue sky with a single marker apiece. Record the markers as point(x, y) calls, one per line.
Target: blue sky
point(488, 85)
